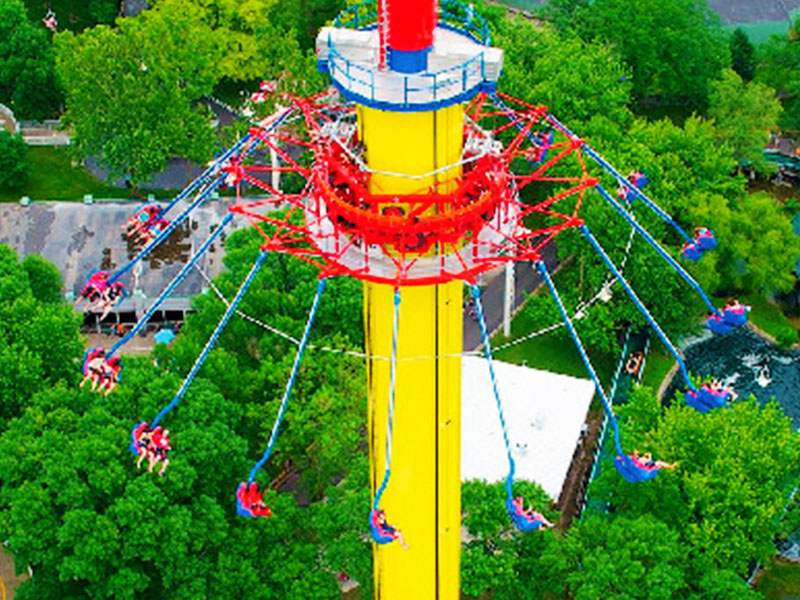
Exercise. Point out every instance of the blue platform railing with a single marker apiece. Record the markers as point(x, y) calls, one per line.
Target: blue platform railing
point(413, 91)
point(453, 15)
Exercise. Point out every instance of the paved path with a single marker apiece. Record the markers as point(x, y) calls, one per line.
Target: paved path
point(527, 280)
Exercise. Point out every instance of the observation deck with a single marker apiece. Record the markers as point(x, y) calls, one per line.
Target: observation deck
point(461, 62)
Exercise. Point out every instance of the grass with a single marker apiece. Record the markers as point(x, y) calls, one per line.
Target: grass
point(657, 364)
point(780, 581)
point(52, 177)
point(552, 352)
point(767, 316)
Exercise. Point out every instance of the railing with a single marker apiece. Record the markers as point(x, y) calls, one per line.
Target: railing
point(373, 85)
point(452, 15)
point(417, 88)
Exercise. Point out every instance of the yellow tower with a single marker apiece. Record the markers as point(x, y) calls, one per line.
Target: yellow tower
point(409, 66)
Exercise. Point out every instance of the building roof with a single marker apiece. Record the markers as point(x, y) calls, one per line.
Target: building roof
point(545, 413)
point(77, 238)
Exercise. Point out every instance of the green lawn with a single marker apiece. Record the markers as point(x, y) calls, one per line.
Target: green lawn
point(52, 177)
point(657, 364)
point(780, 581)
point(551, 352)
point(767, 316)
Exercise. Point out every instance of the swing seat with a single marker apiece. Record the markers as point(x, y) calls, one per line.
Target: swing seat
point(713, 398)
point(246, 499)
point(691, 251)
point(736, 316)
point(638, 179)
point(634, 471)
point(520, 520)
point(381, 534)
point(717, 325)
point(136, 434)
point(705, 239)
point(692, 399)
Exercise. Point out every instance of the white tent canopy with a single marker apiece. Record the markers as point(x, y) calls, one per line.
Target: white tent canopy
point(544, 413)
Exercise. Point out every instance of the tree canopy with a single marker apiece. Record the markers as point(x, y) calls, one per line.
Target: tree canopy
point(746, 114)
point(743, 55)
point(674, 47)
point(779, 67)
point(132, 91)
point(13, 166)
point(27, 80)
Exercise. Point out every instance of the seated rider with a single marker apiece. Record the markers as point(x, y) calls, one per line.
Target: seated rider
point(111, 369)
point(143, 446)
point(160, 444)
point(253, 501)
point(94, 370)
point(530, 514)
point(646, 461)
point(385, 528)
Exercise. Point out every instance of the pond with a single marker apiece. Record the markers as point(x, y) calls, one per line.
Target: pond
point(750, 364)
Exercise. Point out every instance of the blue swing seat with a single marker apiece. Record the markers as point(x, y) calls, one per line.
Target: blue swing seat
point(381, 533)
point(705, 239)
point(691, 398)
point(691, 252)
point(633, 471)
point(706, 399)
point(736, 316)
point(520, 520)
point(717, 325)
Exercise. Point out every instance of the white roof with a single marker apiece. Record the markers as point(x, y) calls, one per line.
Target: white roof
point(544, 414)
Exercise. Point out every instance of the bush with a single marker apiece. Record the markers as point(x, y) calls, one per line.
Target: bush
point(13, 166)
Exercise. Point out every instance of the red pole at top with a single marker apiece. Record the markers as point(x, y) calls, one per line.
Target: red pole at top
point(409, 33)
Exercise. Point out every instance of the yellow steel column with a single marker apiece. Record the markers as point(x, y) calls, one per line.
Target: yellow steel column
point(423, 498)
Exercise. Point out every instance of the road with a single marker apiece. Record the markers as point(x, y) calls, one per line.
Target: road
point(527, 280)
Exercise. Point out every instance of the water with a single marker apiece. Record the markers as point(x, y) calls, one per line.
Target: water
point(751, 365)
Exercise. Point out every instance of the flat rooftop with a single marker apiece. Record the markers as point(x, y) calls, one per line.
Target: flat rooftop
point(78, 237)
point(545, 413)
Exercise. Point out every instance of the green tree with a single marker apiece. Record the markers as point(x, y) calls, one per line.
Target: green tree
point(27, 81)
point(265, 39)
point(103, 11)
point(745, 114)
point(496, 557)
point(617, 558)
point(132, 92)
point(674, 47)
point(44, 279)
point(563, 13)
point(779, 68)
point(76, 510)
point(736, 470)
point(760, 249)
point(574, 79)
point(13, 166)
point(743, 54)
point(39, 341)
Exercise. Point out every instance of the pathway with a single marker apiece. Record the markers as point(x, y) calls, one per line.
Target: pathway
point(9, 580)
point(527, 280)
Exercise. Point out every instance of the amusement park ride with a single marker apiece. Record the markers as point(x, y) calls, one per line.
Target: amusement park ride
point(417, 176)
